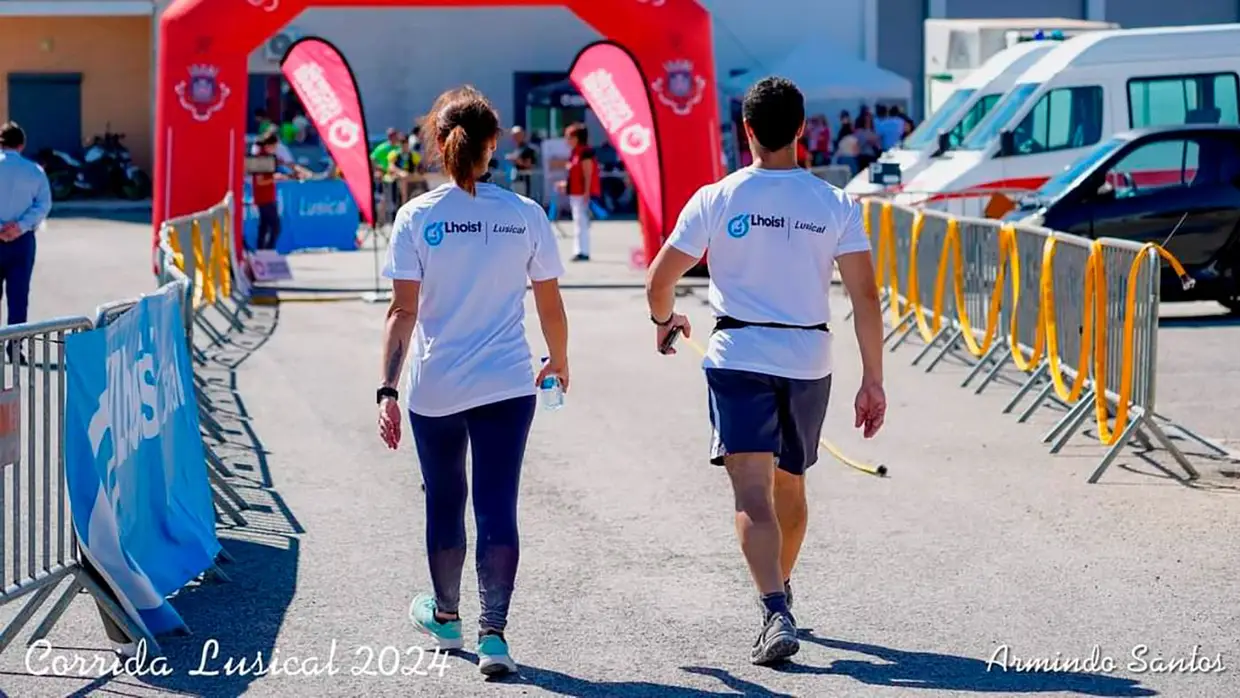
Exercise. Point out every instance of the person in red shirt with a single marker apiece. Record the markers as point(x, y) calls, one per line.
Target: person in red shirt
point(263, 189)
point(803, 152)
point(582, 186)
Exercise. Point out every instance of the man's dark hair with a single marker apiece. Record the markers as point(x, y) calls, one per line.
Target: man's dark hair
point(894, 110)
point(880, 110)
point(775, 110)
point(12, 135)
point(269, 137)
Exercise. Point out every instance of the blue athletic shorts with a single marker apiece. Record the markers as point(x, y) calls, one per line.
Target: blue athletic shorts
point(759, 413)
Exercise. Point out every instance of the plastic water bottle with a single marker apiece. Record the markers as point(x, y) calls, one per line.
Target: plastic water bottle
point(551, 393)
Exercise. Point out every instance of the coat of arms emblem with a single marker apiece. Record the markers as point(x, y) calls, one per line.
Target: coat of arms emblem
point(202, 94)
point(680, 88)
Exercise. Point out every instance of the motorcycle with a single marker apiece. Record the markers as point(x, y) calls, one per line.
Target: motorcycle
point(66, 174)
point(110, 169)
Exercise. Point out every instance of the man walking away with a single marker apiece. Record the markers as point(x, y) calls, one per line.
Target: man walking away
point(25, 201)
point(774, 231)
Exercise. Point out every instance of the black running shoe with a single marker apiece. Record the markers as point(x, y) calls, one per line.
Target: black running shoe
point(777, 641)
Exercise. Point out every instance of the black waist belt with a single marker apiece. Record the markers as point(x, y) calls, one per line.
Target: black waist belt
point(730, 323)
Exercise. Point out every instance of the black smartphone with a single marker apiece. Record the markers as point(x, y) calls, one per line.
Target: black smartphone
point(670, 340)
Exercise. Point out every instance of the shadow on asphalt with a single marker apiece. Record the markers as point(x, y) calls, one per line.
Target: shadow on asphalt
point(565, 685)
point(243, 616)
point(945, 672)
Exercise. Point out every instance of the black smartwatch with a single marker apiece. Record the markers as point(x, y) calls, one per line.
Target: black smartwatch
point(666, 322)
point(386, 392)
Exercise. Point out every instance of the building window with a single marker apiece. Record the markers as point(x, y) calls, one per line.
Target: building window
point(1184, 99)
point(1065, 118)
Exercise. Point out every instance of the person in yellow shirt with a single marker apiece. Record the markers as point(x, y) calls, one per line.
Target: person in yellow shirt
point(404, 169)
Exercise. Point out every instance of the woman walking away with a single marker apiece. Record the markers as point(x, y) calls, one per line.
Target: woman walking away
point(476, 387)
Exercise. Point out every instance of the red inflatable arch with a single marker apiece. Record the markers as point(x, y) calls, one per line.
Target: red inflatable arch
point(200, 102)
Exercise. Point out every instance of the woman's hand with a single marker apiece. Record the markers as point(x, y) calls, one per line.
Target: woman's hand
point(554, 367)
point(389, 422)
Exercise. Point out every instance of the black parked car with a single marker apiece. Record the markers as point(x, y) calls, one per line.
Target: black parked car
point(1178, 185)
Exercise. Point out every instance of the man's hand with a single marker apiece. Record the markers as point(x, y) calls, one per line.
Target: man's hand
point(662, 331)
point(871, 407)
point(389, 422)
point(10, 232)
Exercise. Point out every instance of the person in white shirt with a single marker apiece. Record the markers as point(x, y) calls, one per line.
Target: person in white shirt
point(775, 232)
point(459, 261)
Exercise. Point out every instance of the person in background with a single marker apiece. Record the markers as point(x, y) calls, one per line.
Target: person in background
point(909, 125)
point(415, 138)
point(523, 159)
point(848, 152)
point(819, 132)
point(379, 156)
point(889, 126)
point(846, 128)
point(389, 198)
point(582, 185)
point(266, 198)
point(262, 121)
point(868, 143)
point(25, 201)
point(768, 364)
point(405, 169)
point(803, 152)
point(462, 291)
point(285, 164)
point(301, 128)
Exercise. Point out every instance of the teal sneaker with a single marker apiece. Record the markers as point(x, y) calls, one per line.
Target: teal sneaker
point(493, 657)
point(422, 614)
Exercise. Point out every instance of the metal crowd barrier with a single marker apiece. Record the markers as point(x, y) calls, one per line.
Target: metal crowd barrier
point(992, 203)
point(215, 276)
point(1079, 317)
point(38, 545)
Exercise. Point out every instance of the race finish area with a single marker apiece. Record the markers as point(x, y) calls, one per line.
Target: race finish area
point(200, 106)
point(980, 549)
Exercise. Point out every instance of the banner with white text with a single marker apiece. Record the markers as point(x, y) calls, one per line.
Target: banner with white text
point(134, 461)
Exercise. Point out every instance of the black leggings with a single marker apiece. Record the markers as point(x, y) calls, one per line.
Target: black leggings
point(496, 433)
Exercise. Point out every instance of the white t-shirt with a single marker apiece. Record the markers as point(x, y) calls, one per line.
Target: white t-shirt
point(773, 237)
point(473, 256)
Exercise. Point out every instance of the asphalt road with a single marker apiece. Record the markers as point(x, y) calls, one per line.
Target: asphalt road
point(979, 546)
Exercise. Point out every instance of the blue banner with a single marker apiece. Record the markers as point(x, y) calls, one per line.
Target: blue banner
point(315, 214)
point(134, 461)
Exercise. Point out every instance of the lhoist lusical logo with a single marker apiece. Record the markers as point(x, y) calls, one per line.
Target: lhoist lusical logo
point(202, 94)
point(738, 226)
point(680, 88)
point(433, 233)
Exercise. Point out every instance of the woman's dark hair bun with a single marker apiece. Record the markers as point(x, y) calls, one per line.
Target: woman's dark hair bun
point(464, 124)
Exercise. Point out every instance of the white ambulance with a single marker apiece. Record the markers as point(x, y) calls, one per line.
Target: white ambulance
point(950, 123)
point(1083, 91)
